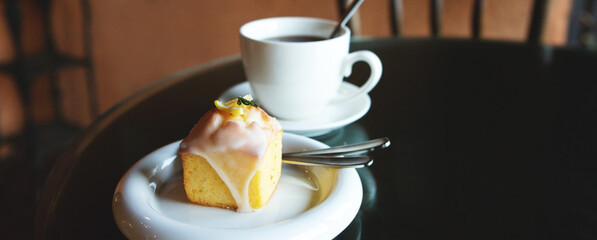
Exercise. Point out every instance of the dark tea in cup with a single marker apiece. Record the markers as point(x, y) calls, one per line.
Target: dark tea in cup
point(296, 39)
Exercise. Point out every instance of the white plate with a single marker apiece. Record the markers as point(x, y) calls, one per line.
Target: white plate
point(309, 203)
point(334, 116)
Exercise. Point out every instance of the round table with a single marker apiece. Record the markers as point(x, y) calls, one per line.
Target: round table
point(489, 140)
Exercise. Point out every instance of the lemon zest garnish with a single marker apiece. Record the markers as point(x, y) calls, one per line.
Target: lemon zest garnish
point(227, 107)
point(233, 106)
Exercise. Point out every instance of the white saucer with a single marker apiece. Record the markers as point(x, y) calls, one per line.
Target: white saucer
point(309, 203)
point(334, 116)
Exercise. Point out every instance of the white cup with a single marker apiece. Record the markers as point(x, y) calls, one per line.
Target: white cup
point(295, 80)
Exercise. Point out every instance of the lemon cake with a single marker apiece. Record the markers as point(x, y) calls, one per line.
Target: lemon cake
point(232, 158)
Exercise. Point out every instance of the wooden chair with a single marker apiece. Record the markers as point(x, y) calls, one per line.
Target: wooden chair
point(28, 116)
point(557, 22)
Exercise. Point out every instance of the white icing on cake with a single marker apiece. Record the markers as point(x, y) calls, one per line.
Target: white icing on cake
point(234, 145)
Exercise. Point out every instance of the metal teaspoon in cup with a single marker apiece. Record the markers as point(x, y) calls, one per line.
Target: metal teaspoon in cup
point(351, 10)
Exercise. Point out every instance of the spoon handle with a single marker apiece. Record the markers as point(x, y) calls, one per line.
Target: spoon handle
point(342, 150)
point(351, 10)
point(339, 162)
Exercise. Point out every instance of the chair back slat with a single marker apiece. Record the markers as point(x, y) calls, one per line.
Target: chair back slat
point(436, 16)
point(537, 20)
point(476, 19)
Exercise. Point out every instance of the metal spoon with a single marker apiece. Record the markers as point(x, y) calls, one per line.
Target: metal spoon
point(323, 161)
point(352, 9)
point(331, 157)
point(346, 149)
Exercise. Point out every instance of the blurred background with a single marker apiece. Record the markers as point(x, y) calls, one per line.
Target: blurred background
point(65, 62)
